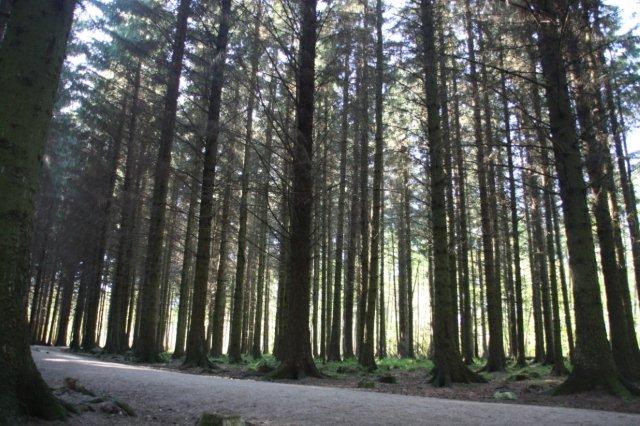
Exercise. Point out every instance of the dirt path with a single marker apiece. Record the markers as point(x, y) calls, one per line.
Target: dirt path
point(169, 397)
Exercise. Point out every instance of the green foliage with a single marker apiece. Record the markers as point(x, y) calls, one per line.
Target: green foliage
point(334, 368)
point(533, 371)
point(164, 357)
point(405, 364)
point(366, 384)
point(267, 362)
point(505, 396)
point(351, 366)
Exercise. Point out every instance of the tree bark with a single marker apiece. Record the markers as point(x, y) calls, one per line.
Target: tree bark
point(333, 353)
point(146, 348)
point(117, 341)
point(449, 367)
point(196, 352)
point(31, 57)
point(367, 354)
point(296, 357)
point(186, 275)
point(594, 363)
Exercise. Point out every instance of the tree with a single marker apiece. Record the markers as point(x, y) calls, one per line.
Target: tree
point(247, 169)
point(34, 46)
point(196, 353)
point(594, 364)
point(367, 354)
point(296, 357)
point(449, 367)
point(147, 346)
point(333, 352)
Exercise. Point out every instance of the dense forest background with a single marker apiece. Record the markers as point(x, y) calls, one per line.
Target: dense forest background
point(362, 179)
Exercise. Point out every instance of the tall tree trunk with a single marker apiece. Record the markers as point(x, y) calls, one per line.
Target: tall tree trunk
point(515, 231)
point(67, 279)
point(563, 279)
point(354, 214)
point(186, 274)
point(594, 363)
point(533, 268)
point(496, 357)
point(446, 138)
point(196, 352)
point(467, 316)
point(296, 353)
point(363, 135)
point(382, 313)
point(624, 174)
point(31, 56)
point(367, 353)
point(166, 282)
point(262, 233)
point(496, 351)
point(598, 164)
point(220, 298)
point(146, 347)
point(316, 327)
point(333, 352)
point(116, 333)
point(449, 367)
point(235, 338)
point(540, 258)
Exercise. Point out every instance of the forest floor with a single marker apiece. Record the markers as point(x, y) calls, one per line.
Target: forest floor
point(104, 389)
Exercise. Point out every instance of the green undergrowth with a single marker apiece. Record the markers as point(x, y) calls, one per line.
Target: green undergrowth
point(384, 365)
point(267, 362)
point(165, 356)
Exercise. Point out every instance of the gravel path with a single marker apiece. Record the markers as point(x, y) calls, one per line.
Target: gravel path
point(169, 397)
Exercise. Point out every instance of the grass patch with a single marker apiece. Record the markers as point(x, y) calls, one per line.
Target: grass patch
point(267, 362)
point(404, 364)
point(530, 372)
point(351, 366)
point(164, 356)
point(337, 368)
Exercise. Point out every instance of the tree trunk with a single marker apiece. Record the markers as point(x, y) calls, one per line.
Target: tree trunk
point(235, 338)
point(333, 353)
point(598, 165)
point(262, 233)
point(196, 352)
point(354, 214)
point(367, 354)
point(449, 367)
point(496, 351)
point(594, 364)
point(446, 138)
point(67, 280)
point(296, 356)
point(220, 300)
point(363, 135)
point(515, 231)
point(117, 341)
point(147, 346)
point(186, 275)
point(34, 46)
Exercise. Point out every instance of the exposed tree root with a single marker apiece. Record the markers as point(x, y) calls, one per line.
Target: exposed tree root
point(615, 385)
point(37, 400)
point(559, 370)
point(295, 371)
point(488, 368)
point(449, 371)
point(201, 361)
